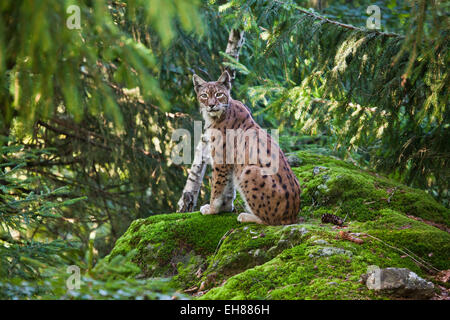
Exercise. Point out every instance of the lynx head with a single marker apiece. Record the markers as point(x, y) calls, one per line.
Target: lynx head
point(213, 96)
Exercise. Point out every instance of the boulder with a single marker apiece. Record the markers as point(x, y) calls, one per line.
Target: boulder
point(294, 160)
point(400, 282)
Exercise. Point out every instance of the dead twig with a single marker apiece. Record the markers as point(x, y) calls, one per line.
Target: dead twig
point(416, 259)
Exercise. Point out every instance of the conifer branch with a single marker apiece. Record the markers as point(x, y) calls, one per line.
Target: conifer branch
point(346, 26)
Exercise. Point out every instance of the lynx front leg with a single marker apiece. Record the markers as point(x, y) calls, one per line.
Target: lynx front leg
point(228, 196)
point(222, 191)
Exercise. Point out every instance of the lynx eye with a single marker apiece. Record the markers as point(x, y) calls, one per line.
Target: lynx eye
point(219, 95)
point(203, 96)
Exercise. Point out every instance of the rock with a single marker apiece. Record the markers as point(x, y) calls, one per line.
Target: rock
point(296, 231)
point(322, 188)
point(318, 169)
point(320, 242)
point(400, 282)
point(283, 243)
point(329, 251)
point(294, 160)
point(256, 253)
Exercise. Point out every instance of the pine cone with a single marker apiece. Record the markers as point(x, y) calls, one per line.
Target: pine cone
point(331, 218)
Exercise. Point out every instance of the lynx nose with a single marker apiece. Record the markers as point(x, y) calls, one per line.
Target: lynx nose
point(211, 107)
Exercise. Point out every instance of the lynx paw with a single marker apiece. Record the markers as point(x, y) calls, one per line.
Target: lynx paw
point(249, 217)
point(206, 209)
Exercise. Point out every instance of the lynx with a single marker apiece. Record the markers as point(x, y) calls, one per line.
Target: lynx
point(244, 158)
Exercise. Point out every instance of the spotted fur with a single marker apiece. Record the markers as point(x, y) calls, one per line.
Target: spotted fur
point(256, 168)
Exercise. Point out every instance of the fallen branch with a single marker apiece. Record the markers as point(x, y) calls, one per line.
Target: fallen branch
point(348, 236)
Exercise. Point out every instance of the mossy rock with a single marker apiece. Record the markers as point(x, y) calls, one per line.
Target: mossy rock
point(427, 242)
point(248, 246)
point(298, 273)
point(339, 187)
point(324, 266)
point(163, 241)
point(228, 260)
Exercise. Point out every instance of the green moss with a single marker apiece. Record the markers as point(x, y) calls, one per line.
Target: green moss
point(333, 185)
point(420, 204)
point(321, 265)
point(251, 245)
point(163, 241)
point(186, 276)
point(299, 273)
point(118, 267)
point(428, 243)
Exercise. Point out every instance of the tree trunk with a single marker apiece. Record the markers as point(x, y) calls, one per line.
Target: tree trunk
point(191, 190)
point(189, 197)
point(234, 45)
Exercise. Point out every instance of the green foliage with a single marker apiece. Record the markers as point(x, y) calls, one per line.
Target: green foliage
point(106, 281)
point(45, 63)
point(254, 259)
point(24, 206)
point(104, 119)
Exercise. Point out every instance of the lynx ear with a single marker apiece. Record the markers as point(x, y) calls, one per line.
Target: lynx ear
point(225, 79)
point(198, 82)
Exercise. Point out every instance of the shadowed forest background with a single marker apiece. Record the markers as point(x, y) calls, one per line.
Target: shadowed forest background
point(87, 115)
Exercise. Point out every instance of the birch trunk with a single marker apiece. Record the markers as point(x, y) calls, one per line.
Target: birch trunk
point(189, 197)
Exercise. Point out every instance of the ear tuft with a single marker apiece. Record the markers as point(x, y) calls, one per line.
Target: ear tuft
point(198, 82)
point(225, 79)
